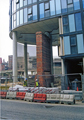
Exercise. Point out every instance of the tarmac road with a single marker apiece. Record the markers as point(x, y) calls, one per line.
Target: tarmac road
point(22, 110)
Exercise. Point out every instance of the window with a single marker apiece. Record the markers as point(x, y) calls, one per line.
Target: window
point(69, 1)
point(66, 45)
point(21, 16)
point(17, 5)
point(17, 1)
point(64, 6)
point(29, 17)
point(21, 3)
point(83, 3)
point(17, 18)
point(52, 7)
point(76, 4)
point(47, 6)
point(14, 5)
point(25, 2)
point(35, 12)
point(29, 10)
point(73, 45)
point(71, 23)
point(78, 21)
point(14, 20)
point(70, 5)
point(65, 24)
point(47, 11)
point(58, 7)
point(25, 15)
point(29, 1)
point(41, 7)
point(80, 43)
point(30, 14)
point(34, 1)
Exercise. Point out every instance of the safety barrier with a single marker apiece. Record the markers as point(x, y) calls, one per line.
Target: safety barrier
point(53, 98)
point(20, 95)
point(3, 94)
point(77, 94)
point(29, 97)
point(60, 98)
point(11, 95)
point(69, 99)
point(39, 97)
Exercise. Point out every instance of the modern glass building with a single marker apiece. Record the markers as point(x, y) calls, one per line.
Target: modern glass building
point(62, 21)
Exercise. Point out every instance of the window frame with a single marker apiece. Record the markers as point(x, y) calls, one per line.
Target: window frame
point(74, 45)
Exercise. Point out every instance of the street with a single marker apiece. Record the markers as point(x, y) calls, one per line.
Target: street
point(22, 110)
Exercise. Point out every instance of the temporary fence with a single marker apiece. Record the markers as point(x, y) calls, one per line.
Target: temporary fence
point(50, 82)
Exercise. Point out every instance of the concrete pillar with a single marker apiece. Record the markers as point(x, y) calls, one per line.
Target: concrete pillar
point(25, 62)
point(61, 32)
point(82, 79)
point(14, 57)
point(83, 65)
point(63, 87)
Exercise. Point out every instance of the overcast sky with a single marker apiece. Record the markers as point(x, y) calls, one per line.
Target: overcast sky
point(5, 41)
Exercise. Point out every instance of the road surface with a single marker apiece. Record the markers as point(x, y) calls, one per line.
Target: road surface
point(22, 110)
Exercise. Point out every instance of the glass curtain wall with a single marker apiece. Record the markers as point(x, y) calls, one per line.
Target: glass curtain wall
point(58, 6)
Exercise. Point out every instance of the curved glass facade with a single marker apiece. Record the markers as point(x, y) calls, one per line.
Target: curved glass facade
point(70, 11)
point(27, 11)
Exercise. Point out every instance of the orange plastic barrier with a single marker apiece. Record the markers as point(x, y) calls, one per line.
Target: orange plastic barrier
point(3, 94)
point(20, 95)
point(39, 97)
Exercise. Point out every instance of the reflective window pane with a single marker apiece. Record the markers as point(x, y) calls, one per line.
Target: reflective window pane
point(80, 43)
point(41, 7)
point(52, 7)
point(29, 1)
point(14, 5)
point(46, 6)
point(29, 17)
point(30, 10)
point(83, 3)
point(21, 3)
point(71, 23)
point(12, 21)
point(65, 24)
point(17, 18)
point(47, 13)
point(34, 1)
point(73, 49)
point(69, 1)
point(70, 7)
point(76, 4)
point(64, 6)
point(73, 40)
point(14, 24)
point(58, 7)
point(25, 2)
point(35, 12)
point(17, 5)
point(21, 16)
point(25, 15)
point(65, 29)
point(66, 45)
point(65, 20)
point(14, 16)
point(78, 21)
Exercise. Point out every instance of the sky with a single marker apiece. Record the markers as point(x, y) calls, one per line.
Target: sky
point(6, 44)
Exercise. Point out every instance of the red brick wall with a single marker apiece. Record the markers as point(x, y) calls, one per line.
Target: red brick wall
point(43, 58)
